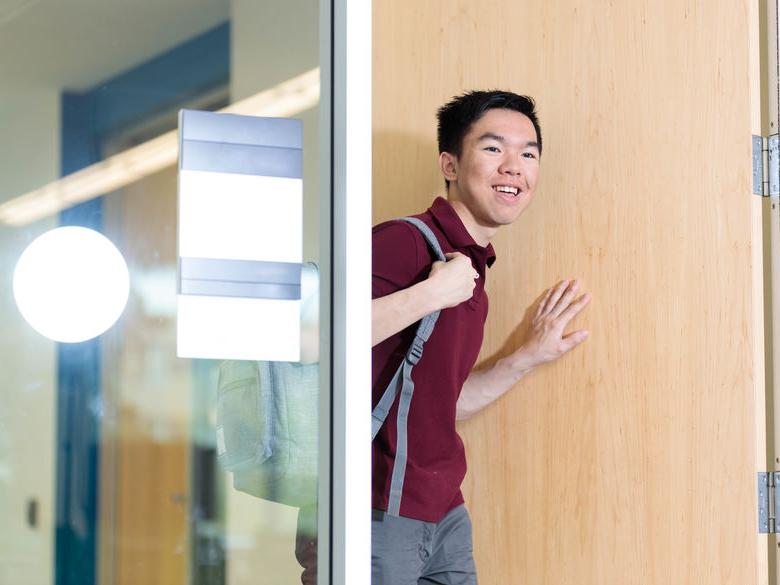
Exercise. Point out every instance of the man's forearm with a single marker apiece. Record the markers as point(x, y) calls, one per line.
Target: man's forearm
point(395, 312)
point(483, 387)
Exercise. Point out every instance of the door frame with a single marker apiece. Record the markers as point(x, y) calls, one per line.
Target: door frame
point(346, 315)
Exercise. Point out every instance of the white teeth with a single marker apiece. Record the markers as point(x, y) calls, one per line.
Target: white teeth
point(505, 189)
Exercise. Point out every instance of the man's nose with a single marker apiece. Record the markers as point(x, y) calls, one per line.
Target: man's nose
point(511, 165)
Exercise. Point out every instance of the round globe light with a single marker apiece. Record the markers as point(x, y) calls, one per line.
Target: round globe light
point(71, 284)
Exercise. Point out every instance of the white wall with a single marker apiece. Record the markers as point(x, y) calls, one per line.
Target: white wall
point(29, 143)
point(271, 42)
point(29, 139)
point(27, 429)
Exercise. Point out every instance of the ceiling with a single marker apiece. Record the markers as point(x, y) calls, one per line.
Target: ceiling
point(75, 44)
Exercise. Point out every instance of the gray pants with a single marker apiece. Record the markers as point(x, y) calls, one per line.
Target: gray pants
point(413, 552)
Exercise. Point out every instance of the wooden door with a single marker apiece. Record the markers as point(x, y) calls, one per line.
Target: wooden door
point(633, 459)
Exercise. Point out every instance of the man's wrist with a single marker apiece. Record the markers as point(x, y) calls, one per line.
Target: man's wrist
point(521, 362)
point(429, 300)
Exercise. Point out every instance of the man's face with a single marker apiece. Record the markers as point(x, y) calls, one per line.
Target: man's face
point(495, 176)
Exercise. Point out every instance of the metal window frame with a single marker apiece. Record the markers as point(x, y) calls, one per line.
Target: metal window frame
point(345, 361)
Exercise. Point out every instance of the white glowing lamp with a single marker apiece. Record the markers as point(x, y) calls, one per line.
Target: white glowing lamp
point(71, 284)
point(240, 237)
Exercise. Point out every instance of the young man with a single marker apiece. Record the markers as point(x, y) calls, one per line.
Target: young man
point(490, 145)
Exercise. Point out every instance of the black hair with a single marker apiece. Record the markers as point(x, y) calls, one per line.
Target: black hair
point(458, 115)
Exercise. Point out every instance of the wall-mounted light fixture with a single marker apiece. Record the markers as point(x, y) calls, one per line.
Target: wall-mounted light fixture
point(240, 237)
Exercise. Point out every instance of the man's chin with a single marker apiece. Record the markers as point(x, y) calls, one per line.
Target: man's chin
point(507, 218)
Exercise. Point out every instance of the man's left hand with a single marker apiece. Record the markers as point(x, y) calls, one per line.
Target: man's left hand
point(546, 339)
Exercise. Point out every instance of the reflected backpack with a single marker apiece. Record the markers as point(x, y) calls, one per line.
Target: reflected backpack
point(267, 414)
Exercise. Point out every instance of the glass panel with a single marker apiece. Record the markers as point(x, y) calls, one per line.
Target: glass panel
point(121, 463)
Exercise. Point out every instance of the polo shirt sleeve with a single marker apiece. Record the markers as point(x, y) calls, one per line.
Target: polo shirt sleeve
point(398, 261)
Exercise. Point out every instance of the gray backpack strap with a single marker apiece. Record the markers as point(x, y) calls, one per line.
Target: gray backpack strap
point(414, 353)
point(428, 235)
point(402, 383)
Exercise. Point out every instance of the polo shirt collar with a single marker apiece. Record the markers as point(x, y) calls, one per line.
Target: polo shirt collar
point(449, 222)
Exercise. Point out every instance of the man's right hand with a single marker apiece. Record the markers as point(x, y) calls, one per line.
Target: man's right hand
point(448, 284)
point(453, 281)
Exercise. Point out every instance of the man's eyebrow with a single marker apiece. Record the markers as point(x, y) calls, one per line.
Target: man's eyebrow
point(490, 136)
point(499, 138)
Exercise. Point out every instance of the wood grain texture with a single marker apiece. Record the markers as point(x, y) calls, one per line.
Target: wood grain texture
point(632, 460)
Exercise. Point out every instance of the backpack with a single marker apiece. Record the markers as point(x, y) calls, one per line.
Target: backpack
point(402, 384)
point(267, 429)
point(267, 415)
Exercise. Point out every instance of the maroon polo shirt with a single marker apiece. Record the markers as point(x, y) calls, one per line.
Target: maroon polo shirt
point(436, 458)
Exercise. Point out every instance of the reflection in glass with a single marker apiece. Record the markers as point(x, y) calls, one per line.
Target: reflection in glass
point(109, 468)
point(267, 431)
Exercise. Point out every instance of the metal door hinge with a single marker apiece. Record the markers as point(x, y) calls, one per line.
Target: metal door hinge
point(768, 502)
point(766, 165)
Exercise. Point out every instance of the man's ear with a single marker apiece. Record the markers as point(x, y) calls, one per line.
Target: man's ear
point(448, 163)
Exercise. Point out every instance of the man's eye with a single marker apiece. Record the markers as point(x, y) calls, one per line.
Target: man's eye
point(529, 155)
point(492, 149)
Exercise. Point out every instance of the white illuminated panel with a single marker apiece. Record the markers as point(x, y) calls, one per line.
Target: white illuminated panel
point(240, 237)
point(240, 217)
point(238, 328)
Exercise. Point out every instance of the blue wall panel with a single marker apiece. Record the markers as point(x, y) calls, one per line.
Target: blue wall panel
point(169, 80)
point(78, 382)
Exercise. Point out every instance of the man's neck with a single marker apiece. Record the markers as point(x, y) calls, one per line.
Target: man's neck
point(480, 234)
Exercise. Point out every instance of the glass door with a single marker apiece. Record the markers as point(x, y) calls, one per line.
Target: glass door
point(121, 461)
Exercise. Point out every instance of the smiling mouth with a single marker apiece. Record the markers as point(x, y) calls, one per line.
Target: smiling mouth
point(507, 189)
